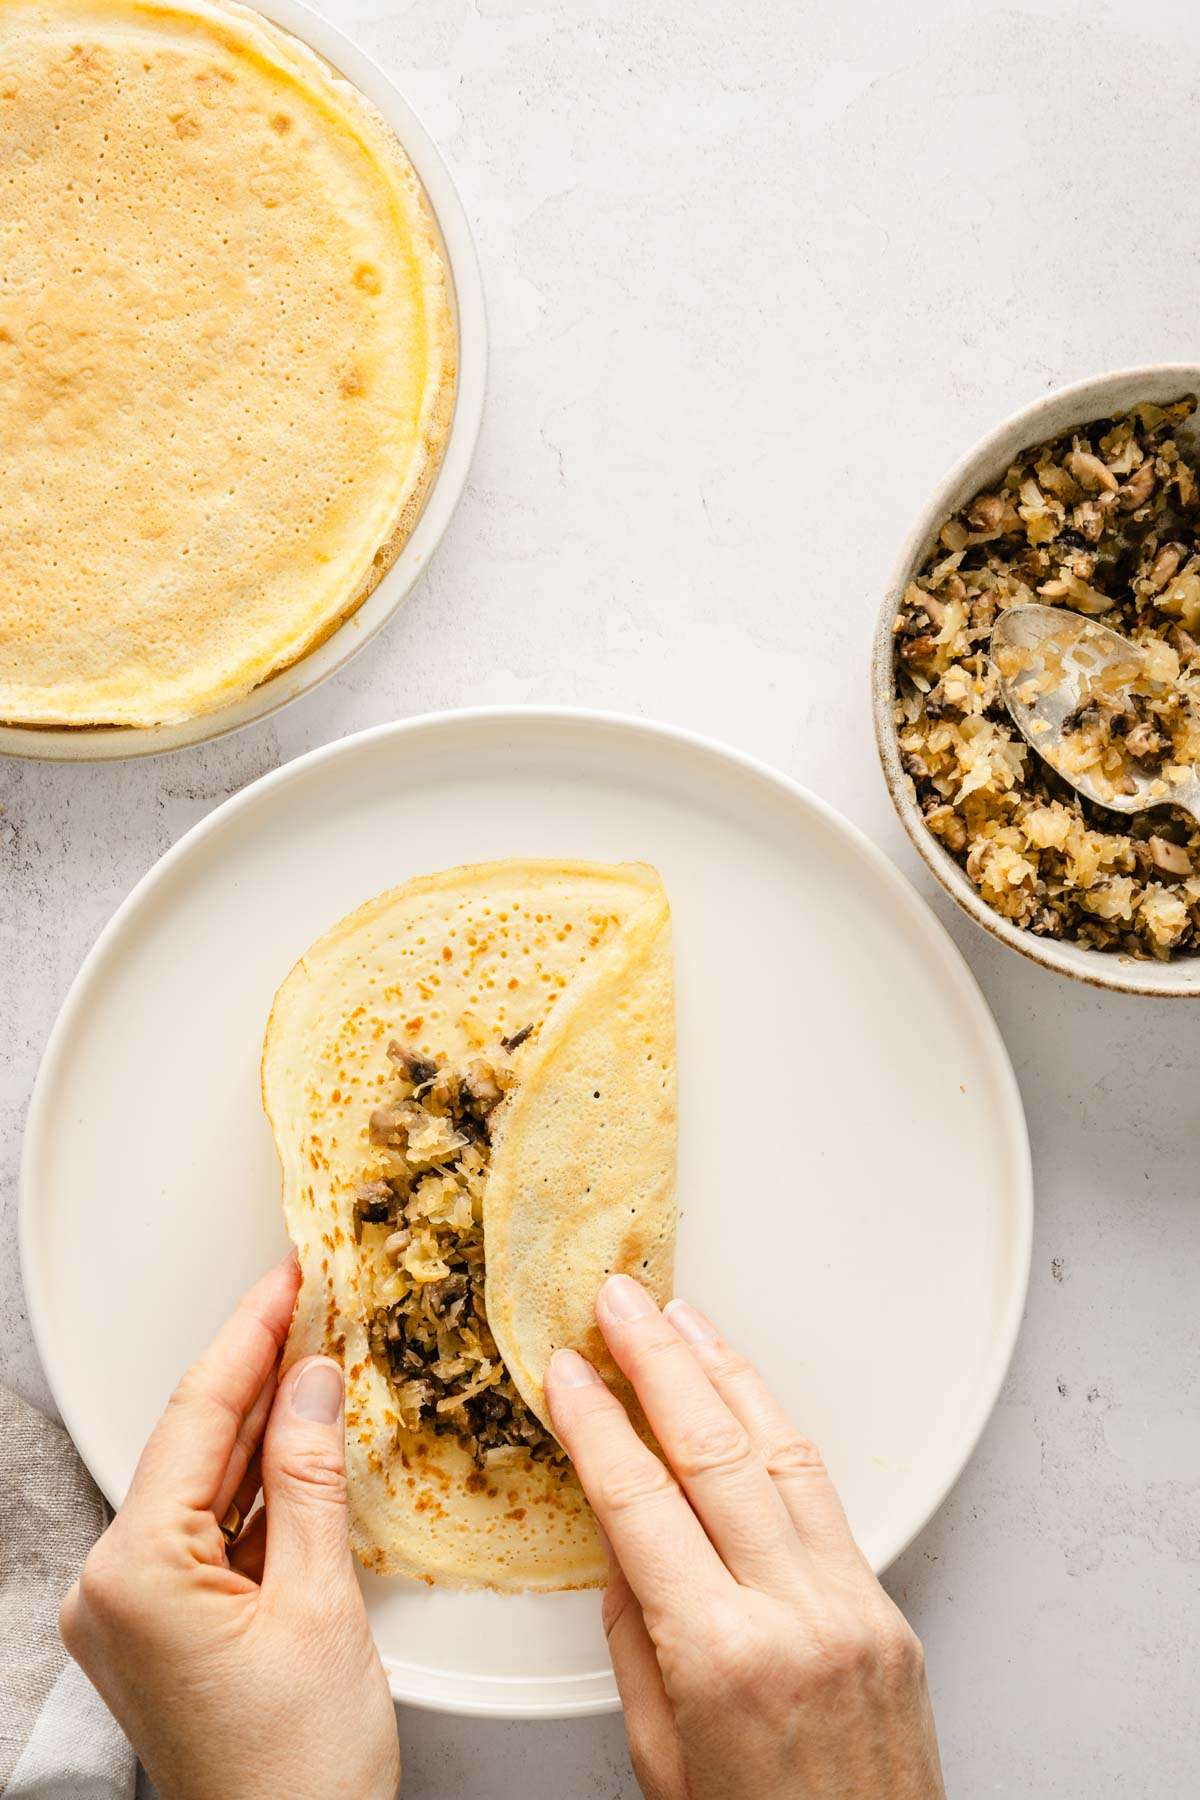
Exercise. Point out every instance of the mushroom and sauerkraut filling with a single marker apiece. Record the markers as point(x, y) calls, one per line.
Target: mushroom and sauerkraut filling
point(1103, 521)
point(419, 1213)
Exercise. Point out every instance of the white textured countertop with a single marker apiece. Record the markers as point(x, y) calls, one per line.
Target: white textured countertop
point(756, 274)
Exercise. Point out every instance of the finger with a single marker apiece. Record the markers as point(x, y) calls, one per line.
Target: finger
point(304, 1481)
point(245, 1451)
point(793, 1463)
point(251, 1486)
point(249, 1554)
point(190, 1447)
point(709, 1451)
point(649, 1719)
point(657, 1537)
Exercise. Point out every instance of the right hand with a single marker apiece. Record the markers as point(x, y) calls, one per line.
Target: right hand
point(757, 1656)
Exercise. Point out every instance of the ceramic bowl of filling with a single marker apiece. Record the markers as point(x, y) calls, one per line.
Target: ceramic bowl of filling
point(1088, 500)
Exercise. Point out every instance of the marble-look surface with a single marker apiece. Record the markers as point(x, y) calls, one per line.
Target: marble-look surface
point(756, 274)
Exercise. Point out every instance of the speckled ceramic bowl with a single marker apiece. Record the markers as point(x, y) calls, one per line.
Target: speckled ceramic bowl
point(1045, 418)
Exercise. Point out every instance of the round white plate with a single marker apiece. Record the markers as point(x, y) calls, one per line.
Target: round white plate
point(854, 1170)
point(107, 743)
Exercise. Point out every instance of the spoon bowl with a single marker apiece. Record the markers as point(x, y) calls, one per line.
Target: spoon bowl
point(1055, 665)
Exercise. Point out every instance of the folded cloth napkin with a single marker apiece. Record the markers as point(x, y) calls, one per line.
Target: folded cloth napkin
point(58, 1740)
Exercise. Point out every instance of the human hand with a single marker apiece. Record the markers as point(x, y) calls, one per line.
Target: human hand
point(757, 1656)
point(247, 1671)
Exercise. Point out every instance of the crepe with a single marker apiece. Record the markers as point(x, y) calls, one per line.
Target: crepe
point(545, 988)
point(227, 358)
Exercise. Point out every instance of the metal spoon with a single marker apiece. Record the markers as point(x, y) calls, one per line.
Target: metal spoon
point(1065, 659)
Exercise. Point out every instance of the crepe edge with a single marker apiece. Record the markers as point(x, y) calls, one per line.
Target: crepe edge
point(630, 951)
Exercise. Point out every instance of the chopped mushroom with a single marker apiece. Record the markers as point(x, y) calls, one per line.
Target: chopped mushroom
point(372, 1204)
point(1146, 742)
point(388, 1124)
point(1091, 473)
point(396, 1244)
point(1138, 489)
point(417, 1069)
point(1170, 859)
point(1184, 643)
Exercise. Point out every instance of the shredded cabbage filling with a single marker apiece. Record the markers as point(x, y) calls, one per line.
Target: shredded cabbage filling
point(419, 1212)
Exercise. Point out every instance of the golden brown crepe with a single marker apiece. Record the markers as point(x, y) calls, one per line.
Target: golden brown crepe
point(505, 1030)
point(227, 357)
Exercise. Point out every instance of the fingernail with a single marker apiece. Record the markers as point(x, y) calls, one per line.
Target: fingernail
point(691, 1325)
point(570, 1370)
point(317, 1395)
point(625, 1299)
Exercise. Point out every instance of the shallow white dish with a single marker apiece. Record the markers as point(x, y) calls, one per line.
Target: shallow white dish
point(854, 1168)
point(108, 743)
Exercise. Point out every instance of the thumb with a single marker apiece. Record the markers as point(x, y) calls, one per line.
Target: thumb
point(304, 1479)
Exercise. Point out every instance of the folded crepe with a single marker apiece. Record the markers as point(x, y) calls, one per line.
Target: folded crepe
point(471, 1082)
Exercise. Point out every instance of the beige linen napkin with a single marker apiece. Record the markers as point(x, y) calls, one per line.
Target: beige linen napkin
point(58, 1740)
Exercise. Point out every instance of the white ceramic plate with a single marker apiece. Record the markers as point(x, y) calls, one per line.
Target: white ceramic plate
point(104, 743)
point(854, 1169)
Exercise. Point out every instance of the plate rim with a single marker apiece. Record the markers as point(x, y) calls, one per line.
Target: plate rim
point(560, 719)
point(113, 743)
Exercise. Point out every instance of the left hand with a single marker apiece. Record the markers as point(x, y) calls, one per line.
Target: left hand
point(250, 1670)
